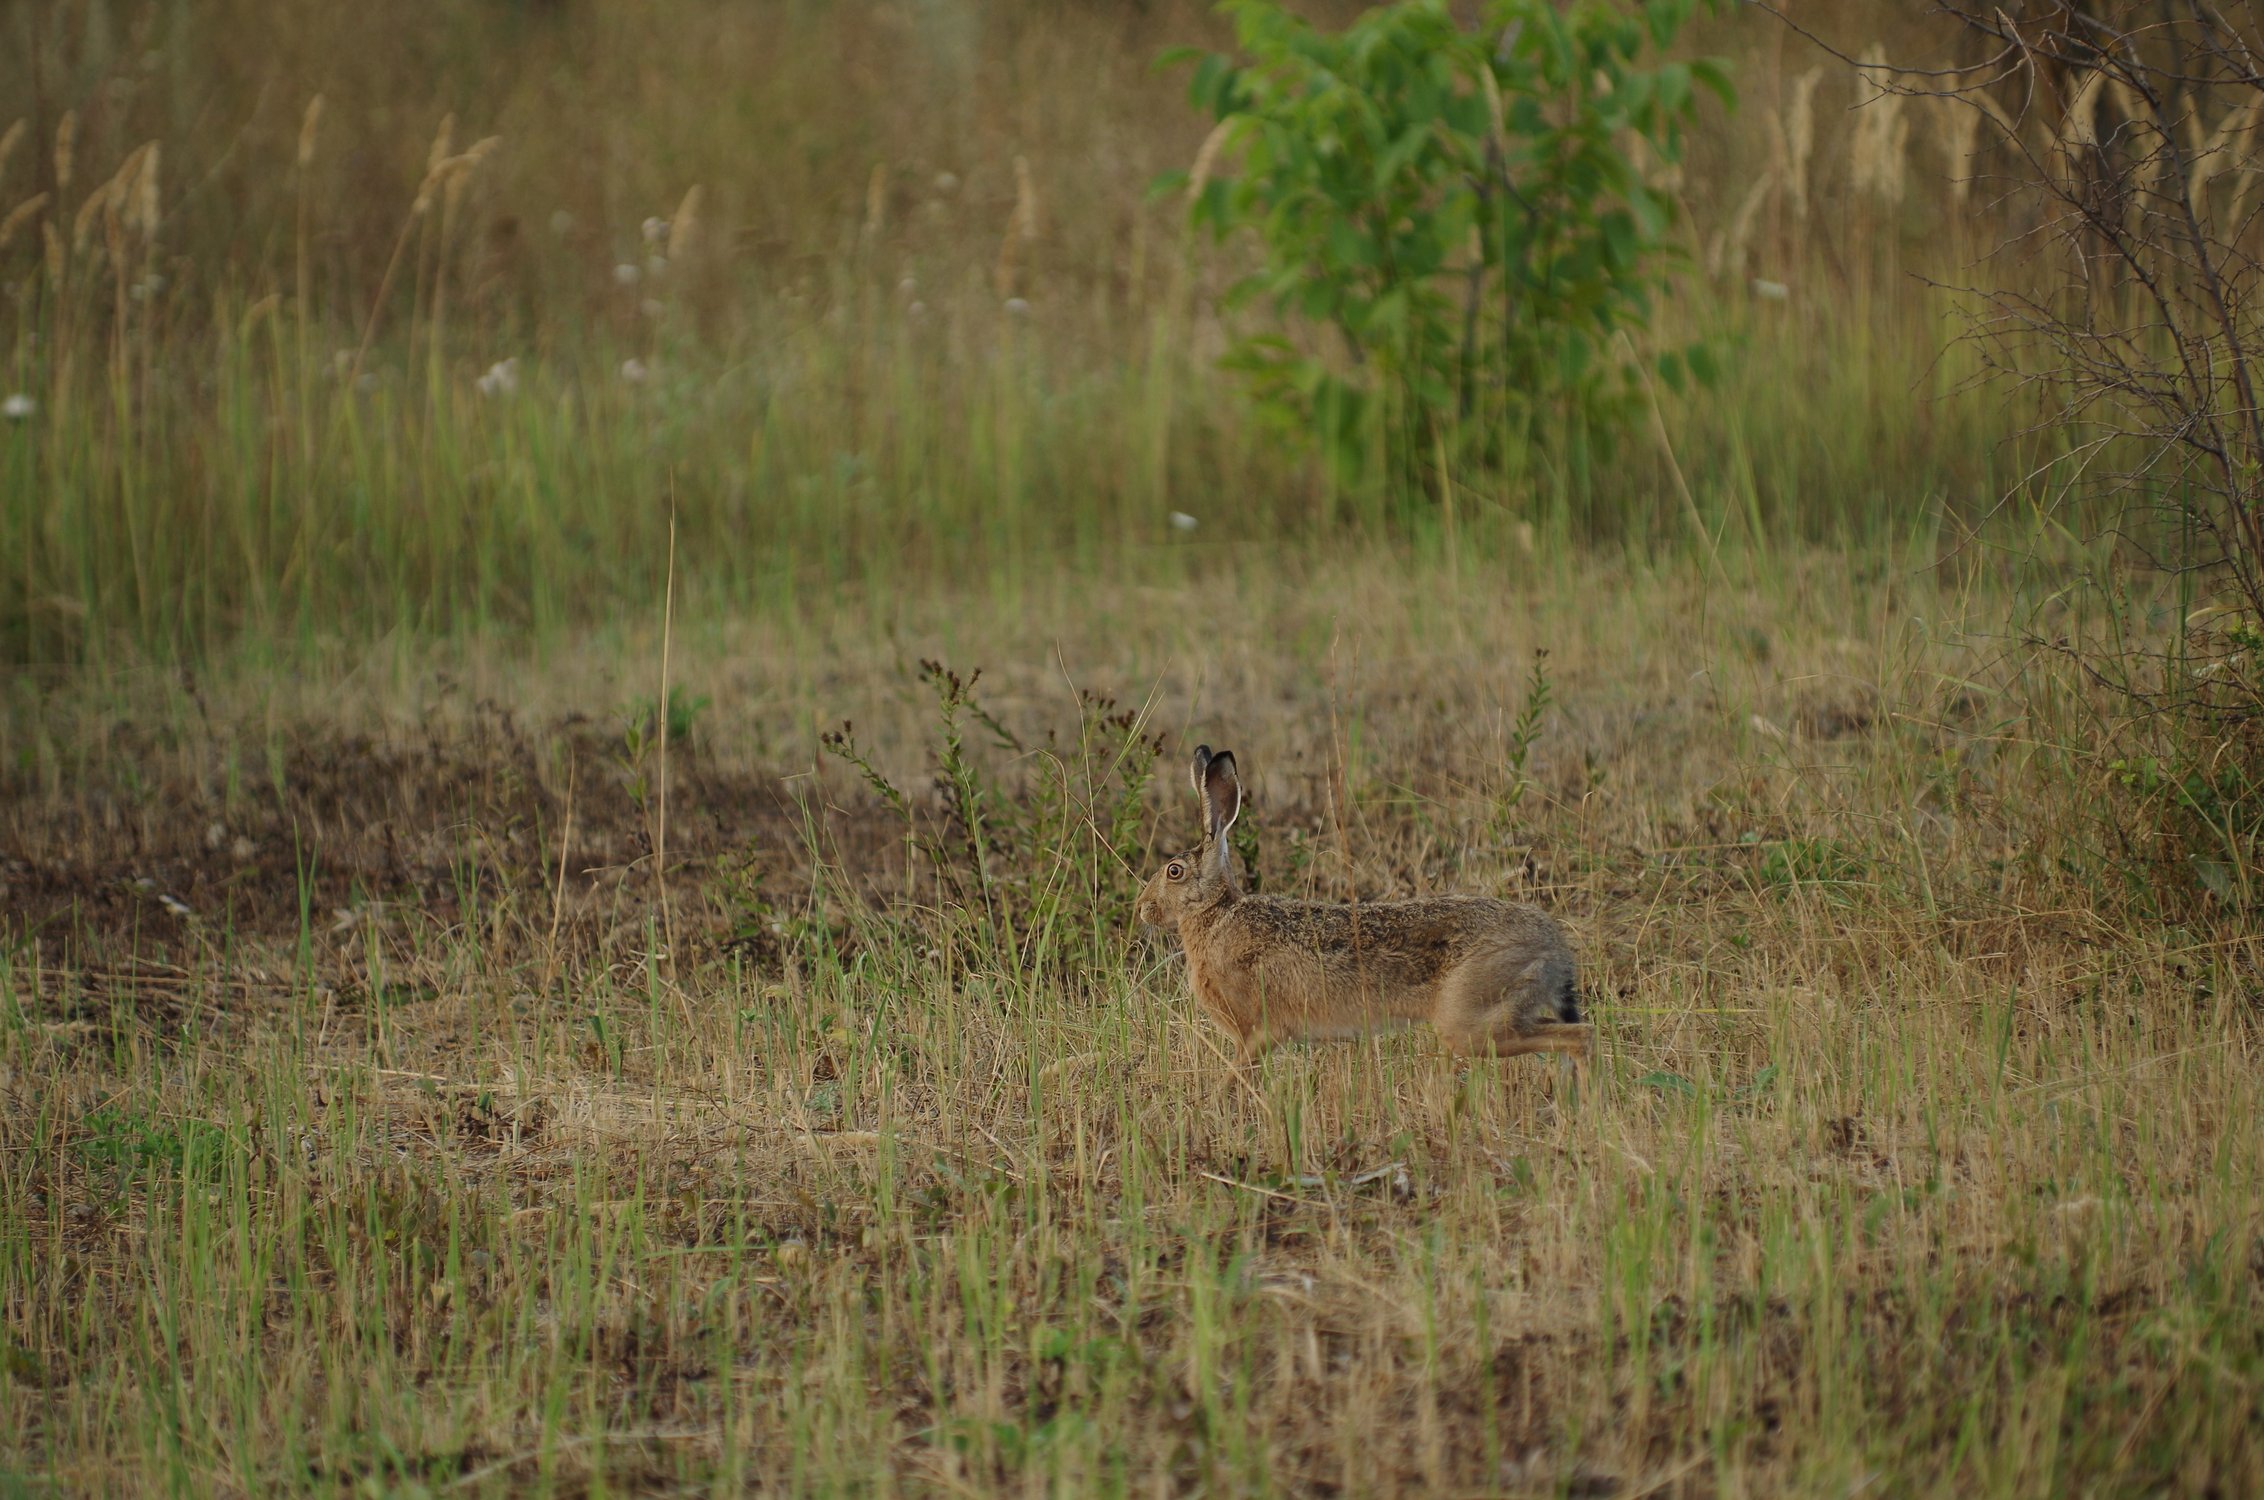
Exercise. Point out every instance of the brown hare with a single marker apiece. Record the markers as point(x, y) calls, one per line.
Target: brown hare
point(1489, 975)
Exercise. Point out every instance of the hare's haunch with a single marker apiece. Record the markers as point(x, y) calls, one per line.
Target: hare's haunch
point(1490, 975)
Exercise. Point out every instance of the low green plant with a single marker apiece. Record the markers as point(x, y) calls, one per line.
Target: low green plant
point(2191, 783)
point(124, 1139)
point(1037, 868)
point(1531, 715)
point(1822, 865)
point(1474, 214)
point(641, 730)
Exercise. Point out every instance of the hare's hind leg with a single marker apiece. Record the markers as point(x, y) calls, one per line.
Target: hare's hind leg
point(1569, 1037)
point(1505, 1003)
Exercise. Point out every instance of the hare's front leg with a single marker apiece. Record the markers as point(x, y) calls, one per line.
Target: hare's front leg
point(1254, 1042)
point(1251, 1035)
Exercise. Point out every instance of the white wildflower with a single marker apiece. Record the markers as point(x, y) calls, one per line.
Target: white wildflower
point(17, 407)
point(501, 379)
point(655, 230)
point(1181, 521)
point(626, 274)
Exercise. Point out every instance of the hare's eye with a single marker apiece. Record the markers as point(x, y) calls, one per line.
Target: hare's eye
point(1176, 870)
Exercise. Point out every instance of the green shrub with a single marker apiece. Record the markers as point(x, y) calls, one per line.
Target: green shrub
point(1466, 211)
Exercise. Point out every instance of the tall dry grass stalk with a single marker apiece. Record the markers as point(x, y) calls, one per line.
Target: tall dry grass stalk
point(664, 724)
point(302, 268)
point(441, 168)
point(457, 175)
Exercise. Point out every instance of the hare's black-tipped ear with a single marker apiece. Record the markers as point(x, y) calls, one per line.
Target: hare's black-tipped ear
point(1202, 762)
point(1222, 798)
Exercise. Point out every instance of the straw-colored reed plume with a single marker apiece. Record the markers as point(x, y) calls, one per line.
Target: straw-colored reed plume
point(437, 158)
point(309, 124)
point(1021, 229)
point(1727, 254)
point(141, 205)
point(1206, 156)
point(1800, 139)
point(443, 144)
point(2247, 167)
point(22, 214)
point(876, 204)
point(82, 223)
point(2080, 125)
point(2146, 147)
point(684, 224)
point(2078, 130)
point(66, 137)
point(1956, 117)
point(127, 204)
point(455, 172)
point(1025, 199)
point(1656, 173)
point(2222, 150)
point(1878, 154)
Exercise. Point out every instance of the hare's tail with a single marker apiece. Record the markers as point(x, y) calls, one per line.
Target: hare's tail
point(1568, 1002)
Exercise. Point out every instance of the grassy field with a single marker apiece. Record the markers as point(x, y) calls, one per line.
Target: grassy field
point(370, 1125)
point(421, 1074)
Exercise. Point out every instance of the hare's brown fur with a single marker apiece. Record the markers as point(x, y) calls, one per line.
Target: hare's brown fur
point(1488, 974)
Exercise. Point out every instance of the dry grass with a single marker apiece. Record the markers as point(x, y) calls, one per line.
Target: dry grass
point(1896, 1171)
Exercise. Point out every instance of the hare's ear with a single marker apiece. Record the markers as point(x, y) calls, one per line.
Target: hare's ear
point(1202, 762)
point(1222, 798)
